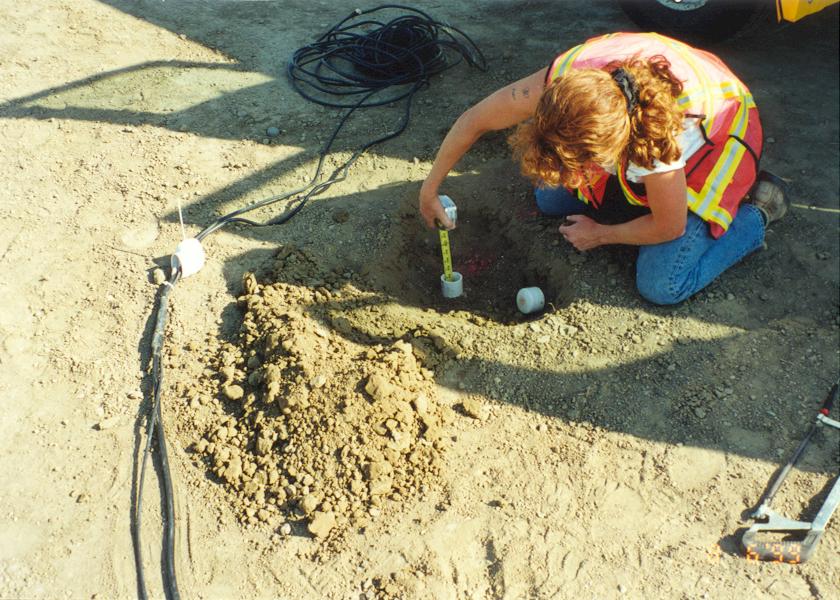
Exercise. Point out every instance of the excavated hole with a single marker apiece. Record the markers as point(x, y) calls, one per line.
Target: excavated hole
point(495, 259)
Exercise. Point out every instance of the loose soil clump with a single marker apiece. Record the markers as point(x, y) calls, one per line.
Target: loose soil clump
point(314, 427)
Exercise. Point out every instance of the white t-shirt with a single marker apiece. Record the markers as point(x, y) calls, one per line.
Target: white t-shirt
point(690, 141)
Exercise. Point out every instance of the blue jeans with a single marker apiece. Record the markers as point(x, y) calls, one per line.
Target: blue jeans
point(670, 272)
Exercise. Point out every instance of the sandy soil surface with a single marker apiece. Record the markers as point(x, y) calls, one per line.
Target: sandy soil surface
point(335, 430)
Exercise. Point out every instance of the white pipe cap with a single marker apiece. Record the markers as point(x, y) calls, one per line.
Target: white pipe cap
point(189, 257)
point(454, 288)
point(530, 300)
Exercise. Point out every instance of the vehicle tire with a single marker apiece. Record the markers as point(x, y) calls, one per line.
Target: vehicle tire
point(696, 20)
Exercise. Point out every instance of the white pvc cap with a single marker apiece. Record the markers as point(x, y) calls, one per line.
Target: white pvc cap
point(189, 257)
point(454, 288)
point(530, 299)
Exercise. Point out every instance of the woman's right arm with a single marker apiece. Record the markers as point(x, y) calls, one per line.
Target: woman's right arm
point(502, 109)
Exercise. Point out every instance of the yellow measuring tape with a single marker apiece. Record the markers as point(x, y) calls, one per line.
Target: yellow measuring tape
point(446, 253)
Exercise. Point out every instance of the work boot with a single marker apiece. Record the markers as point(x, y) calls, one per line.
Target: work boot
point(769, 195)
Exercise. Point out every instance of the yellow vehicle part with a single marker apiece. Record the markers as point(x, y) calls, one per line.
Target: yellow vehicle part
point(793, 10)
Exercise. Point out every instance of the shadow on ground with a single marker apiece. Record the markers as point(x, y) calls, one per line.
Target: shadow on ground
point(237, 97)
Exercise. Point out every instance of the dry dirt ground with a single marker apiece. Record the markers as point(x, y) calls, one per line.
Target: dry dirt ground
point(334, 430)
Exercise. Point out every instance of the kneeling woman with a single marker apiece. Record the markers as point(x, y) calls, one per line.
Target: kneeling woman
point(672, 123)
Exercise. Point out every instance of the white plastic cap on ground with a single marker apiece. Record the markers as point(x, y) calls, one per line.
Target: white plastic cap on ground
point(530, 299)
point(189, 257)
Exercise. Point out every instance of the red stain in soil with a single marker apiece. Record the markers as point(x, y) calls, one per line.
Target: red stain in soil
point(476, 264)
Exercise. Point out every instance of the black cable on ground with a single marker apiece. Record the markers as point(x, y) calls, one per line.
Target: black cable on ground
point(372, 63)
point(358, 63)
point(155, 434)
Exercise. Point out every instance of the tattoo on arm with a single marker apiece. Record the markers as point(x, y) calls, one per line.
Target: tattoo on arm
point(524, 92)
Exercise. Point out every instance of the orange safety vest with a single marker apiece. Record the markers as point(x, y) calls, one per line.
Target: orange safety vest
point(720, 173)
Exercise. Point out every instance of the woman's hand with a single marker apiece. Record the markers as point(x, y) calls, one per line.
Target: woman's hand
point(582, 232)
point(432, 210)
point(666, 195)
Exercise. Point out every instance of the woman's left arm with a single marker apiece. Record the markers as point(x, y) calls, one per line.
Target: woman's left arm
point(667, 199)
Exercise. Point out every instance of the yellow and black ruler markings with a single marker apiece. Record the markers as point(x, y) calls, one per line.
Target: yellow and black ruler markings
point(446, 253)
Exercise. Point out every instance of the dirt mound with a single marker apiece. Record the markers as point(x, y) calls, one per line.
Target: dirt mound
point(315, 427)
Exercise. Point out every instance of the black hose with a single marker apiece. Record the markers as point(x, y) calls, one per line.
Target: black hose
point(350, 66)
point(155, 433)
point(360, 59)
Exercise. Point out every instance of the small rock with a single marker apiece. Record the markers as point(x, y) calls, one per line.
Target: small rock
point(158, 276)
point(321, 524)
point(319, 381)
point(309, 503)
point(381, 486)
point(569, 330)
point(272, 131)
point(233, 392)
point(340, 216)
point(421, 403)
point(474, 408)
point(378, 469)
point(228, 372)
point(700, 412)
point(234, 470)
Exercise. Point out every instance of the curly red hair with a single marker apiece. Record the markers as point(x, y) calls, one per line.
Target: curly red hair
point(582, 120)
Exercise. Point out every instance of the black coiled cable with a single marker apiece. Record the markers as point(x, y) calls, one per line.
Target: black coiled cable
point(358, 63)
point(362, 63)
point(357, 56)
